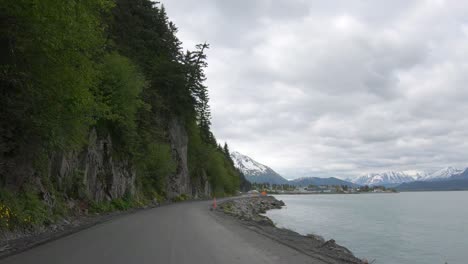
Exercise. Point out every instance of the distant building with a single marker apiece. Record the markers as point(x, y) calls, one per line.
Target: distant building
point(253, 192)
point(312, 189)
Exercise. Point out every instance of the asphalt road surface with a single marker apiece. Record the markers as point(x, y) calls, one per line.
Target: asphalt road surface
point(179, 233)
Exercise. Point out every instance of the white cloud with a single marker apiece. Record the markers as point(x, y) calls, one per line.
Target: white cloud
point(337, 88)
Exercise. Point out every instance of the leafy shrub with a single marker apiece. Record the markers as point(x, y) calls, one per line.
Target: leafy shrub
point(100, 207)
point(180, 198)
point(22, 210)
point(153, 169)
point(118, 204)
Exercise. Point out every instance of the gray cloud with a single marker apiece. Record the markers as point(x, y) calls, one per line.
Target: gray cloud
point(336, 88)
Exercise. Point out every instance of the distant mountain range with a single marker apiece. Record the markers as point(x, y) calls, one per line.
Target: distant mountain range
point(388, 179)
point(443, 183)
point(448, 178)
point(396, 178)
point(461, 176)
point(440, 175)
point(256, 172)
point(447, 185)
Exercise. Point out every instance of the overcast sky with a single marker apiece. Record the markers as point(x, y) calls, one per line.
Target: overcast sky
point(335, 88)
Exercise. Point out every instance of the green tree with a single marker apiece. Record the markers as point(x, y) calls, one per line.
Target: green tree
point(119, 99)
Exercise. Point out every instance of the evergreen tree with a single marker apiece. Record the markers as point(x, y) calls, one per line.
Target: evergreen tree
point(227, 153)
point(196, 64)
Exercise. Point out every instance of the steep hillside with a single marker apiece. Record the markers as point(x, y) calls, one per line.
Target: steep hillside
point(101, 109)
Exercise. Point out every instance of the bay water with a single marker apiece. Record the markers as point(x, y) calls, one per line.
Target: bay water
point(393, 228)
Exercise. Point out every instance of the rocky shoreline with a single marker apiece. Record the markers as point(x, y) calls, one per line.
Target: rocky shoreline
point(249, 210)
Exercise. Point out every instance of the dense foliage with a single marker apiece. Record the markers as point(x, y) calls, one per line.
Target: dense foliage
point(114, 65)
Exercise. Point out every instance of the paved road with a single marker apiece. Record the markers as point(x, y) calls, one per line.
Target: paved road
point(179, 233)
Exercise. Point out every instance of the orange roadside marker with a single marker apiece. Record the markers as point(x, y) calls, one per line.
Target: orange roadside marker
point(214, 203)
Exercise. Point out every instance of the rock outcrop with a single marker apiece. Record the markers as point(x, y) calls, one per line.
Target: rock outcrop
point(96, 173)
point(251, 209)
point(102, 176)
point(201, 187)
point(180, 182)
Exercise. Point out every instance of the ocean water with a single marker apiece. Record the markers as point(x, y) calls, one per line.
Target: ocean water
point(400, 228)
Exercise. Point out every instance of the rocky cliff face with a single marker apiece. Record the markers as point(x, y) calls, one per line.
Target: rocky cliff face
point(95, 170)
point(180, 182)
point(90, 174)
point(95, 173)
point(201, 188)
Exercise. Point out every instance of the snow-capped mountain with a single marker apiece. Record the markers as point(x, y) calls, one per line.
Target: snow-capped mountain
point(415, 174)
point(259, 173)
point(439, 181)
point(255, 171)
point(442, 174)
point(247, 165)
point(391, 178)
point(461, 176)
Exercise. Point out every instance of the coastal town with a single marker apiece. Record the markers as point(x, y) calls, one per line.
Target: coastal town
point(318, 189)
